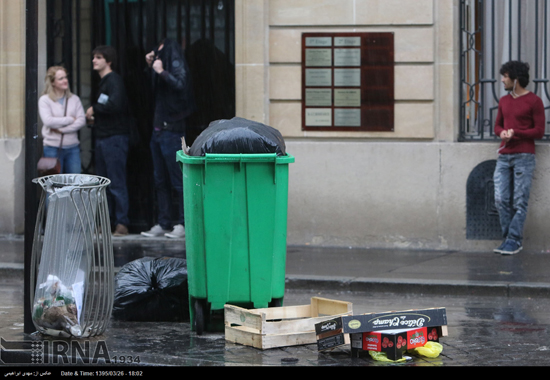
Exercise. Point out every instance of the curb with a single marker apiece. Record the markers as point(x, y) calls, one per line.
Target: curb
point(420, 287)
point(15, 272)
point(11, 271)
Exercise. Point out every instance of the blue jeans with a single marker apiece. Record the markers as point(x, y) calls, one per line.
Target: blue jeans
point(167, 173)
point(513, 178)
point(111, 155)
point(68, 157)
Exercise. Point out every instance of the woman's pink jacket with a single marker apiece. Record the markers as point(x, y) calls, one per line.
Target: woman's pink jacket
point(51, 113)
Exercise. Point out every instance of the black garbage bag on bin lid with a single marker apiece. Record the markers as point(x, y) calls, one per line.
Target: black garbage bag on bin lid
point(238, 135)
point(152, 290)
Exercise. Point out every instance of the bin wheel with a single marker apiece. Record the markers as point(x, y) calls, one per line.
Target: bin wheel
point(199, 317)
point(276, 302)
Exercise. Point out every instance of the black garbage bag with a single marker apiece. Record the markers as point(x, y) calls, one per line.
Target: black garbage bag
point(152, 290)
point(238, 135)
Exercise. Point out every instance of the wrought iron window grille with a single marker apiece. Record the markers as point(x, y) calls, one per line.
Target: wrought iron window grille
point(493, 32)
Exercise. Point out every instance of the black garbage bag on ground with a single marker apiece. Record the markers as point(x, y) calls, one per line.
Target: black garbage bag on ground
point(238, 135)
point(152, 290)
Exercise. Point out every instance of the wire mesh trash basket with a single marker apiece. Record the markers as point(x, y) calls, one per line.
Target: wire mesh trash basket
point(72, 257)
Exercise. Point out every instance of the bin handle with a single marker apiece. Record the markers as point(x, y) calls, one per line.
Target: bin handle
point(240, 158)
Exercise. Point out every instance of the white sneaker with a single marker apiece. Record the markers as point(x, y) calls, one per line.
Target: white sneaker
point(155, 231)
point(178, 232)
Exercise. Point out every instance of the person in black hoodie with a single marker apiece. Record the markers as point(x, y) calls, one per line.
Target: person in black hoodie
point(171, 83)
point(110, 118)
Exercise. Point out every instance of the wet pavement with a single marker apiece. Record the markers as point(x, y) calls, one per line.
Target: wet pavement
point(498, 309)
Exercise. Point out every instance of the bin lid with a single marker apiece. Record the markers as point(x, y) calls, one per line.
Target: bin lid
point(182, 157)
point(71, 180)
point(74, 180)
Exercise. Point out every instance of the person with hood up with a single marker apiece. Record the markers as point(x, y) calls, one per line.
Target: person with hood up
point(173, 102)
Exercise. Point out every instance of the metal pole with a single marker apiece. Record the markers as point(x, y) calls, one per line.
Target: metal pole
point(31, 156)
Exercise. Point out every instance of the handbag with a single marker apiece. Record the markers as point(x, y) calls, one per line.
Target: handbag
point(51, 165)
point(48, 166)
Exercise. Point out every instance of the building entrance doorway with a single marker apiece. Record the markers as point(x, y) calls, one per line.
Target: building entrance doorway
point(205, 30)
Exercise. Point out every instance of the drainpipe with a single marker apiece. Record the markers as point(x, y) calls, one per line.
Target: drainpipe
point(31, 157)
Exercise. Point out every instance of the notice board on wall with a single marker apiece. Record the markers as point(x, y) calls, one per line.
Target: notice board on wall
point(348, 82)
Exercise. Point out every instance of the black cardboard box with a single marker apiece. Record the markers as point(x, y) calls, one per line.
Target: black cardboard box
point(406, 319)
point(330, 342)
point(327, 331)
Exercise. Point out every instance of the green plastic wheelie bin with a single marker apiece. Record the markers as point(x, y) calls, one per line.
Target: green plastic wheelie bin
point(235, 230)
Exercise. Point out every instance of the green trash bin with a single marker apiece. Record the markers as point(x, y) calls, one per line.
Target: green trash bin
point(235, 229)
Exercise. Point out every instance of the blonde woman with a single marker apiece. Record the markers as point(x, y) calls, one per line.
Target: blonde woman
point(62, 116)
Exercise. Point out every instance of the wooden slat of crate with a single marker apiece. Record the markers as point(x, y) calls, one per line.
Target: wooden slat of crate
point(280, 326)
point(250, 337)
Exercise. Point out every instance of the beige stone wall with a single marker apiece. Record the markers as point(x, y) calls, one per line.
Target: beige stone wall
point(268, 61)
point(415, 59)
point(404, 189)
point(251, 68)
point(12, 68)
point(12, 115)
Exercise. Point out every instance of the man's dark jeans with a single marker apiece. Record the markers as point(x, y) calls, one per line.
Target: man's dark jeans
point(111, 155)
point(168, 176)
point(513, 178)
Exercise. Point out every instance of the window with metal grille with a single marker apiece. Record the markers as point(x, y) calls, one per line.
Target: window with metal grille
point(493, 32)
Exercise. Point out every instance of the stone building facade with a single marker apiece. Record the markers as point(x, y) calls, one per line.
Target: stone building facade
point(406, 188)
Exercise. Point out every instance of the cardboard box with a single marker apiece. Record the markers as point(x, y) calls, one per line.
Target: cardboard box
point(395, 342)
point(372, 322)
point(332, 341)
point(406, 319)
point(281, 326)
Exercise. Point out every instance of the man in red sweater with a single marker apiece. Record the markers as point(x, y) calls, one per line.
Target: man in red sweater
point(520, 120)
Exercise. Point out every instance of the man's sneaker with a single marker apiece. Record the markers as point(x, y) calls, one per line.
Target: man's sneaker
point(155, 231)
point(511, 247)
point(120, 230)
point(177, 233)
point(499, 248)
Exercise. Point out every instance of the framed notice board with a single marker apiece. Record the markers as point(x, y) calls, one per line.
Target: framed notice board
point(348, 82)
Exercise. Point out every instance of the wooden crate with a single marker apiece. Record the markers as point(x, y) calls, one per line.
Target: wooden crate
point(280, 326)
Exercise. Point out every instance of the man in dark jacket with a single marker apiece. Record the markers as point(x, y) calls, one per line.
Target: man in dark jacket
point(170, 79)
point(110, 118)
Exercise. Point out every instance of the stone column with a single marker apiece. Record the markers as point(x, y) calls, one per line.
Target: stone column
point(251, 63)
point(12, 116)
